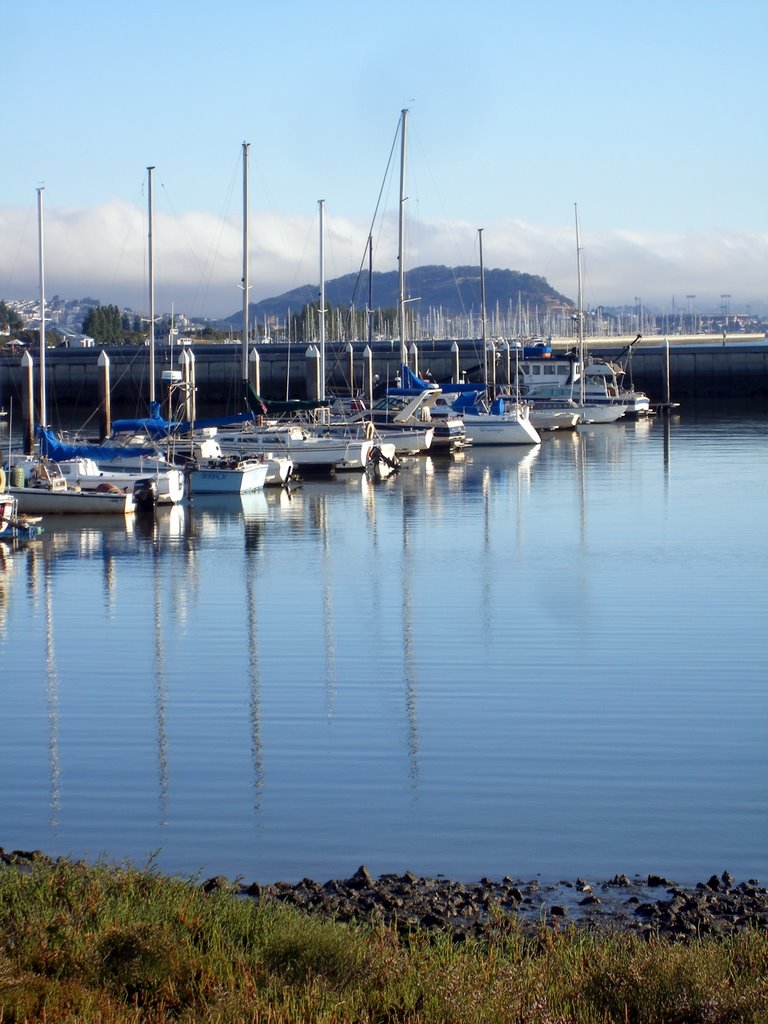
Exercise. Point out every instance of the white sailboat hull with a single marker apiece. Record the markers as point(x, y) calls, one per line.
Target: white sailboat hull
point(490, 428)
point(169, 483)
point(554, 419)
point(601, 413)
point(43, 501)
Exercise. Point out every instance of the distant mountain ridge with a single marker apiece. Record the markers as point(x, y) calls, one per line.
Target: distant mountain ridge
point(453, 290)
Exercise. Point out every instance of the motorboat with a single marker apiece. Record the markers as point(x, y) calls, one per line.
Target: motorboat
point(414, 408)
point(227, 475)
point(548, 377)
point(239, 442)
point(308, 451)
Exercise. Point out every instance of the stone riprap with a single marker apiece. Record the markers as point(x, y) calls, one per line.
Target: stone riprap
point(648, 905)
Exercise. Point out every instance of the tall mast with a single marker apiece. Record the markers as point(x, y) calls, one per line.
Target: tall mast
point(401, 240)
point(490, 384)
point(246, 283)
point(579, 307)
point(150, 217)
point(41, 260)
point(370, 289)
point(321, 311)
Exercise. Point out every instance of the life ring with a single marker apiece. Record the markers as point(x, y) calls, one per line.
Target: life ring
point(370, 430)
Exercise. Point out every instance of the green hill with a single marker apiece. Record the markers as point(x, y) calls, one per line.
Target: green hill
point(452, 290)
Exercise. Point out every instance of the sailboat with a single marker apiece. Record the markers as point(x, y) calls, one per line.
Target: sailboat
point(295, 443)
point(487, 420)
point(413, 403)
point(233, 474)
point(565, 382)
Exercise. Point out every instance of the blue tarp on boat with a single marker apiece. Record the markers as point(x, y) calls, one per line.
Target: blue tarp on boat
point(60, 451)
point(155, 425)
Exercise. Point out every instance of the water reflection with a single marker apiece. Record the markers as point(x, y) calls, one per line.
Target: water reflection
point(254, 674)
point(428, 665)
point(52, 702)
point(161, 696)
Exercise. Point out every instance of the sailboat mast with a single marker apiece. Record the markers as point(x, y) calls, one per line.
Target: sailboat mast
point(150, 267)
point(490, 384)
point(246, 283)
point(401, 241)
point(370, 289)
point(41, 260)
point(321, 311)
point(579, 307)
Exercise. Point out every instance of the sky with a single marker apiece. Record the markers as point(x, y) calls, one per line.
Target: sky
point(648, 119)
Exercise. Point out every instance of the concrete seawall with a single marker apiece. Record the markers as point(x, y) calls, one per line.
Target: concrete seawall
point(698, 369)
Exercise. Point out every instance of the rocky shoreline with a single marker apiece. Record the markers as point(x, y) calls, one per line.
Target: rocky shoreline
point(649, 905)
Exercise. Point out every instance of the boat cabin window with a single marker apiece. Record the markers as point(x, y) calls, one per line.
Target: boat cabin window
point(389, 403)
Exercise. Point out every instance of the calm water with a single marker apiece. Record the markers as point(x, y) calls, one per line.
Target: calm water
point(546, 662)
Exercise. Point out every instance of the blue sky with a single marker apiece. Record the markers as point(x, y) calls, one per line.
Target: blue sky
point(651, 117)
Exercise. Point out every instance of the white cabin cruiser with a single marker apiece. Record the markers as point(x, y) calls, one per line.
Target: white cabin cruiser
point(551, 377)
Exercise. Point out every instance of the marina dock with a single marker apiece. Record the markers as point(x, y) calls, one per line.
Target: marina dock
point(677, 369)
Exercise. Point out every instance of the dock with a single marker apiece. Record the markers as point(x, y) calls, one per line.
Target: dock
point(671, 371)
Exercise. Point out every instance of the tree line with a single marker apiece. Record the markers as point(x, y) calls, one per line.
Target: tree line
point(343, 323)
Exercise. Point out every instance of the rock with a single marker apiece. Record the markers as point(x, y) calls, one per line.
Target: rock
point(217, 884)
point(362, 878)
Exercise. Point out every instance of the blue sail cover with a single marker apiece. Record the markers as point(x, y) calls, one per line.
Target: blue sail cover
point(155, 425)
point(410, 383)
point(467, 401)
point(59, 451)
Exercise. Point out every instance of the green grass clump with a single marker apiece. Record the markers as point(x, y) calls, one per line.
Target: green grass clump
point(111, 945)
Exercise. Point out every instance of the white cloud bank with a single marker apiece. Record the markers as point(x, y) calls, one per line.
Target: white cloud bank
point(102, 252)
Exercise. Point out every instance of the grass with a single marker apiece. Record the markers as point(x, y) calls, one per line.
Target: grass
point(112, 945)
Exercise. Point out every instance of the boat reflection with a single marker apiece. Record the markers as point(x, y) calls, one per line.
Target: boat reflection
point(228, 505)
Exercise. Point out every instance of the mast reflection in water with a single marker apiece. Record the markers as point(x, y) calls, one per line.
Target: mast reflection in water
point(504, 662)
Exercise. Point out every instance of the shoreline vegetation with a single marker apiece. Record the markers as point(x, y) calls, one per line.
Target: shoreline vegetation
point(113, 943)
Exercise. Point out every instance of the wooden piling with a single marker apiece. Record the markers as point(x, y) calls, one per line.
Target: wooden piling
point(105, 406)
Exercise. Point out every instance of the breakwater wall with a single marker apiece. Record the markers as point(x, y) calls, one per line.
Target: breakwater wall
point(697, 370)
